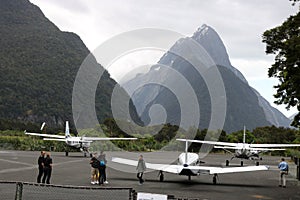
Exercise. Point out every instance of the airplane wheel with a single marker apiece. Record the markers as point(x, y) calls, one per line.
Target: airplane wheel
point(242, 163)
point(257, 163)
point(84, 154)
point(67, 153)
point(161, 178)
point(227, 162)
point(214, 180)
point(190, 178)
point(260, 158)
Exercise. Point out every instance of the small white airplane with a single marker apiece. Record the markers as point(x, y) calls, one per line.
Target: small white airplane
point(245, 150)
point(83, 143)
point(189, 165)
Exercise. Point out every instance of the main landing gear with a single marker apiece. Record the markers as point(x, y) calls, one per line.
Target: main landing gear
point(215, 179)
point(161, 176)
point(227, 163)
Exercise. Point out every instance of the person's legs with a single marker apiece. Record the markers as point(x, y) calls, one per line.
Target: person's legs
point(283, 179)
point(142, 180)
point(280, 179)
point(101, 171)
point(45, 175)
point(104, 174)
point(48, 176)
point(41, 171)
point(140, 177)
point(96, 177)
point(93, 175)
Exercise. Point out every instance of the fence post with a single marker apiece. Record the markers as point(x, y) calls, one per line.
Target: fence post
point(298, 168)
point(19, 191)
point(130, 194)
point(133, 194)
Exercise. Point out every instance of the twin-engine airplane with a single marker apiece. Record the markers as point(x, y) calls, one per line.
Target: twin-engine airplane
point(188, 165)
point(245, 150)
point(83, 143)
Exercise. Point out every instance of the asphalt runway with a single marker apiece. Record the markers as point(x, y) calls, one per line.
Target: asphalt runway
point(75, 170)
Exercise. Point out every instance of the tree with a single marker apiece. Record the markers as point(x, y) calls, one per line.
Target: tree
point(284, 42)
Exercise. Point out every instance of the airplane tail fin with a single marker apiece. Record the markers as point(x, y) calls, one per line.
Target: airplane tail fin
point(186, 149)
point(67, 131)
point(43, 125)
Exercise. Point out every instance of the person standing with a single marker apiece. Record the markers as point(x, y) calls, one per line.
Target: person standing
point(141, 168)
point(284, 170)
point(41, 166)
point(102, 168)
point(47, 168)
point(94, 169)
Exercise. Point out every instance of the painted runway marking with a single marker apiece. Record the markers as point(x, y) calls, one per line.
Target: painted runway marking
point(15, 162)
point(31, 166)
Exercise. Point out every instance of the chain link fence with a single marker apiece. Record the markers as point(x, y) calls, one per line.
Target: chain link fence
point(32, 191)
point(10, 190)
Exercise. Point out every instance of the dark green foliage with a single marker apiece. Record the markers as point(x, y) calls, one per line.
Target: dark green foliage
point(275, 135)
point(38, 67)
point(284, 42)
point(167, 133)
point(16, 140)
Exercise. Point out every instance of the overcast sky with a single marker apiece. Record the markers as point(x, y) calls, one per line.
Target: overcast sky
point(239, 23)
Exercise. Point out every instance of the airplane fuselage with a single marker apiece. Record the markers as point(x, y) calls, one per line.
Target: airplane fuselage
point(245, 152)
point(186, 160)
point(76, 142)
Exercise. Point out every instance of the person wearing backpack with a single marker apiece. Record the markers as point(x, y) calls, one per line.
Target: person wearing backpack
point(94, 169)
point(102, 168)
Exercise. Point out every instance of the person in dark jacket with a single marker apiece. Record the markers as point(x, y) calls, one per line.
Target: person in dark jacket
point(102, 168)
point(47, 169)
point(41, 166)
point(94, 169)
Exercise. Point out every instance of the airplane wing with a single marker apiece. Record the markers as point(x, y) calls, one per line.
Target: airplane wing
point(251, 149)
point(211, 142)
point(226, 170)
point(55, 139)
point(45, 135)
point(266, 149)
point(273, 145)
point(106, 138)
point(176, 169)
point(224, 147)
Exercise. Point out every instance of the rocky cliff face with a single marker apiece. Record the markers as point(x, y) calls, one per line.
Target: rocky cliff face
point(244, 105)
point(38, 65)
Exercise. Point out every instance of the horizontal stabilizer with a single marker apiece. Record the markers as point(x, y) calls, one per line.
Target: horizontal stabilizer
point(210, 142)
